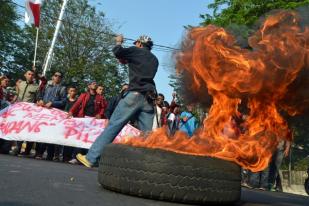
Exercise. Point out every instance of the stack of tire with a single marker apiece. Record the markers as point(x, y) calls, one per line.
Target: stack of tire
point(163, 175)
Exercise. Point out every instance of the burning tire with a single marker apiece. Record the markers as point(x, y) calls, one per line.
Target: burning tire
point(164, 175)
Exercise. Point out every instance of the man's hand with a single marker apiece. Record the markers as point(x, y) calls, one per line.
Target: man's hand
point(48, 105)
point(119, 39)
point(40, 103)
point(70, 115)
point(174, 94)
point(106, 122)
point(287, 147)
point(185, 119)
point(98, 116)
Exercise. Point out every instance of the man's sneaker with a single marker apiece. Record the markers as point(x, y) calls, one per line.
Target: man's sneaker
point(244, 184)
point(82, 159)
point(73, 162)
point(14, 152)
point(262, 188)
point(56, 159)
point(23, 154)
point(38, 157)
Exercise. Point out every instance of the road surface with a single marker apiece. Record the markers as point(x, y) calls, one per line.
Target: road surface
point(30, 182)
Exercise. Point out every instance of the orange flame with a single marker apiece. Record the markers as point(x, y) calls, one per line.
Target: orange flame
point(260, 75)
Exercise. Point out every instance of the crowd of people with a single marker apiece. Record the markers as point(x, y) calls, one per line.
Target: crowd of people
point(92, 103)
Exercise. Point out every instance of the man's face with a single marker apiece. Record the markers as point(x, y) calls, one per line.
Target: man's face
point(139, 44)
point(125, 88)
point(29, 75)
point(92, 86)
point(160, 100)
point(18, 82)
point(176, 110)
point(72, 92)
point(100, 90)
point(5, 83)
point(57, 77)
point(190, 108)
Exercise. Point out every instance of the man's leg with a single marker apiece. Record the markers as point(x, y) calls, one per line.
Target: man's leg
point(50, 152)
point(18, 147)
point(264, 182)
point(254, 179)
point(272, 170)
point(39, 150)
point(126, 108)
point(58, 151)
point(28, 148)
point(5, 146)
point(145, 117)
point(67, 153)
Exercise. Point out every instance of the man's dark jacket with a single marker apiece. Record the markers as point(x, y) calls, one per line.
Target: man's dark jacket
point(143, 66)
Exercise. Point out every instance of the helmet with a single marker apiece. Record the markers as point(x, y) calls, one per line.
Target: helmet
point(144, 40)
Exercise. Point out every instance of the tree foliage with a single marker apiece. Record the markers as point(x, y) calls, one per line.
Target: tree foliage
point(83, 49)
point(245, 12)
point(9, 38)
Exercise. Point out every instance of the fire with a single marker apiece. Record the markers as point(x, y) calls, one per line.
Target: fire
point(260, 76)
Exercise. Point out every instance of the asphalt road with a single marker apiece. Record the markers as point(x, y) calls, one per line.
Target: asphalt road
point(30, 182)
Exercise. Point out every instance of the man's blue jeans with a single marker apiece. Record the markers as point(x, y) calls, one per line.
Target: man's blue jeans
point(259, 179)
point(133, 104)
point(275, 165)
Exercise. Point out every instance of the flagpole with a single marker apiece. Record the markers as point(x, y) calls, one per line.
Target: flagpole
point(50, 51)
point(36, 45)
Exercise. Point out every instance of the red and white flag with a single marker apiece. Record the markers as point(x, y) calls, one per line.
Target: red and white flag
point(32, 15)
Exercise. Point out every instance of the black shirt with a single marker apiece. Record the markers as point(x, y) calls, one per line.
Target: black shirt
point(143, 66)
point(89, 109)
point(69, 104)
point(112, 104)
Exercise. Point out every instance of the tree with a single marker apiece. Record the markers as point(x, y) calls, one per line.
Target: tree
point(9, 38)
point(245, 12)
point(82, 51)
point(83, 48)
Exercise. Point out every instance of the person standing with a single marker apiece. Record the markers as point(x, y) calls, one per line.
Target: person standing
point(27, 91)
point(71, 99)
point(173, 118)
point(113, 102)
point(188, 122)
point(157, 123)
point(53, 95)
point(90, 104)
point(5, 145)
point(137, 102)
point(165, 110)
point(4, 83)
point(100, 90)
point(282, 151)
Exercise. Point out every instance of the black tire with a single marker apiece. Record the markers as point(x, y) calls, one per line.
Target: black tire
point(164, 175)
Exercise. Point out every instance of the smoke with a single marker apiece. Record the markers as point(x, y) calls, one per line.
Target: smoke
point(296, 98)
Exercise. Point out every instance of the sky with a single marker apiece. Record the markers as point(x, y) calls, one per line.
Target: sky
point(162, 20)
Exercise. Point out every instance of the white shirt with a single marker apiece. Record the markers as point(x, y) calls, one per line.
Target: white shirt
point(155, 122)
